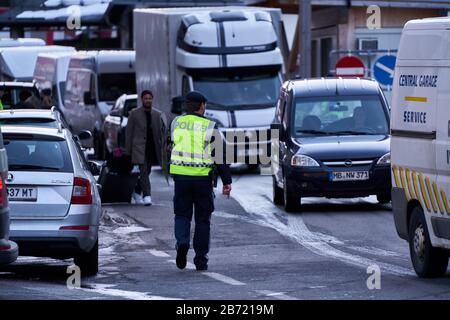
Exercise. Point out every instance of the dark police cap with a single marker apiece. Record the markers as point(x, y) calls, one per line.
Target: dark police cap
point(195, 96)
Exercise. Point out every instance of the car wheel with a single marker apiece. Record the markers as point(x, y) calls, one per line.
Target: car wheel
point(383, 198)
point(88, 261)
point(291, 200)
point(427, 261)
point(277, 192)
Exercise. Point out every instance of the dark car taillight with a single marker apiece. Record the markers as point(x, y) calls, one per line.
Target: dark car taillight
point(81, 191)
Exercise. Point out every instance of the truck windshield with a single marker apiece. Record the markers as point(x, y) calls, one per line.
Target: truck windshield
point(239, 91)
point(336, 115)
point(112, 85)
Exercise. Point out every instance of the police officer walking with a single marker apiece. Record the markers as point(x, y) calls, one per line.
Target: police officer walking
point(192, 162)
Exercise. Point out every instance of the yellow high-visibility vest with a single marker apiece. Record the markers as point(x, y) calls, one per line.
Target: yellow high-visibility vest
point(191, 152)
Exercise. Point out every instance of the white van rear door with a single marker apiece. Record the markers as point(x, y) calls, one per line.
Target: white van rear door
point(440, 222)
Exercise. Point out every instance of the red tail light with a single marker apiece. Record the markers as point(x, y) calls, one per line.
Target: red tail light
point(4, 248)
point(3, 193)
point(75, 228)
point(81, 191)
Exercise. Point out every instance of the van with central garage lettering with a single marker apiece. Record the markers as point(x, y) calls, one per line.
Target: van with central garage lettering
point(420, 144)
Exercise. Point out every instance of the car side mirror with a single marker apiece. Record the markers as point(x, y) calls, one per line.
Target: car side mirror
point(87, 99)
point(84, 135)
point(116, 113)
point(177, 105)
point(94, 168)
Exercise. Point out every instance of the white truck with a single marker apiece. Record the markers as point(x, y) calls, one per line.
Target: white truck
point(95, 79)
point(230, 54)
point(420, 144)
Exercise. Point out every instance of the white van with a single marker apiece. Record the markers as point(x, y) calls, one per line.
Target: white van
point(21, 42)
point(18, 63)
point(51, 72)
point(420, 144)
point(95, 79)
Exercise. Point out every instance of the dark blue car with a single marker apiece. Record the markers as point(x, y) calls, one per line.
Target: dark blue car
point(334, 141)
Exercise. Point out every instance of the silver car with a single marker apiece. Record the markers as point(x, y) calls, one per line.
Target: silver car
point(54, 201)
point(34, 117)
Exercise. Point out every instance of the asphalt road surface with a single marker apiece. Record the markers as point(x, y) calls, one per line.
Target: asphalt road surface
point(258, 251)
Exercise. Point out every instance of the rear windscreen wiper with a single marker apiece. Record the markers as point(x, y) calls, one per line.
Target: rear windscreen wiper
point(31, 167)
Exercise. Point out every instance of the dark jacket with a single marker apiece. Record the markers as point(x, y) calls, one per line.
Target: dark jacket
point(222, 168)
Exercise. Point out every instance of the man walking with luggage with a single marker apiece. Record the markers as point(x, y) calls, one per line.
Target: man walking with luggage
point(142, 126)
point(192, 162)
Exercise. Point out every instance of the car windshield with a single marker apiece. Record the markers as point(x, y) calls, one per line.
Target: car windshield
point(36, 122)
point(352, 115)
point(239, 90)
point(112, 85)
point(130, 104)
point(37, 155)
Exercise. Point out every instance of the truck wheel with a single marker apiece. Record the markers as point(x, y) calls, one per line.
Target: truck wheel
point(277, 192)
point(428, 262)
point(291, 200)
point(383, 198)
point(88, 261)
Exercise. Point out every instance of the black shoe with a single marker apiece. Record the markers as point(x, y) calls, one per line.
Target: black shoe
point(181, 256)
point(202, 267)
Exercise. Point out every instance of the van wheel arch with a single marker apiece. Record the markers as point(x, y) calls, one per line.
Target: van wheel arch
point(411, 205)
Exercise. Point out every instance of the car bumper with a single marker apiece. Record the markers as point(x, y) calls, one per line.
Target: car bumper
point(45, 237)
point(316, 182)
point(10, 255)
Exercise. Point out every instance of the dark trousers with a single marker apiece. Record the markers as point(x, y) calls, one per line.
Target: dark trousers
point(143, 186)
point(194, 197)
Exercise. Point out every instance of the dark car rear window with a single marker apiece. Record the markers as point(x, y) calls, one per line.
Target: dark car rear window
point(36, 122)
point(25, 154)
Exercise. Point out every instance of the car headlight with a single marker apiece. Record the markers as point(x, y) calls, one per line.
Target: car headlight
point(384, 160)
point(300, 160)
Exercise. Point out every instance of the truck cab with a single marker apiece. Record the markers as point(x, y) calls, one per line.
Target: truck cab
point(420, 144)
point(231, 55)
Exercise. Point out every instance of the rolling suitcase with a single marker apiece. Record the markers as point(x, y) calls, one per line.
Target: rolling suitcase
point(117, 181)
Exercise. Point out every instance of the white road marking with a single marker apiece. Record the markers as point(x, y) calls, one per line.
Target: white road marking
point(276, 295)
point(107, 289)
point(214, 275)
point(160, 254)
point(255, 201)
point(130, 229)
point(222, 278)
point(189, 265)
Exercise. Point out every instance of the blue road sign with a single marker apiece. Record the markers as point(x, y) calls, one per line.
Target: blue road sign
point(383, 70)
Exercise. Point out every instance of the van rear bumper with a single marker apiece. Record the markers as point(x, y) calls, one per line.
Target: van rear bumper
point(400, 212)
